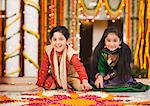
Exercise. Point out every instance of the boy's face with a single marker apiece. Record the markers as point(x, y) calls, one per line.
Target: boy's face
point(112, 41)
point(58, 41)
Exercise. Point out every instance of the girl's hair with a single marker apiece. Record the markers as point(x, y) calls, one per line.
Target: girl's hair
point(105, 34)
point(61, 29)
point(124, 55)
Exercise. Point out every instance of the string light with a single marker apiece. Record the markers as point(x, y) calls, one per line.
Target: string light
point(113, 20)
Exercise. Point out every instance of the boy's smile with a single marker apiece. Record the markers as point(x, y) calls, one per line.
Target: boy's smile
point(58, 41)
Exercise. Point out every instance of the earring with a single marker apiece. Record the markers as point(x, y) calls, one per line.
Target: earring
point(119, 47)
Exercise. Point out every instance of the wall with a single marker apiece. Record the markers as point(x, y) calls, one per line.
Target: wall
point(98, 29)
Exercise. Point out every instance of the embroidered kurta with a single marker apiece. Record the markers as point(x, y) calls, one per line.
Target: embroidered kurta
point(107, 65)
point(45, 78)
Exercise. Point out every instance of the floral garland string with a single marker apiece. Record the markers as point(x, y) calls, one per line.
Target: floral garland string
point(93, 13)
point(111, 13)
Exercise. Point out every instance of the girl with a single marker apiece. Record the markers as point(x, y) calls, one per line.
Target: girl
point(111, 63)
point(61, 66)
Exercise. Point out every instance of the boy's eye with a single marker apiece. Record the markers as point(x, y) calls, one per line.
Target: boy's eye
point(61, 38)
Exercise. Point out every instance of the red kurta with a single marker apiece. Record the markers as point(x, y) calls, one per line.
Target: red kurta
point(45, 79)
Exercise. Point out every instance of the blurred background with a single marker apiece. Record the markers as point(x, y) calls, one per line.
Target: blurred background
point(25, 24)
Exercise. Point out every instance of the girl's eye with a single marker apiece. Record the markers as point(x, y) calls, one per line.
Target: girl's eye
point(108, 40)
point(115, 40)
point(54, 39)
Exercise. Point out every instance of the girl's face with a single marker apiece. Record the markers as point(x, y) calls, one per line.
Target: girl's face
point(112, 41)
point(58, 41)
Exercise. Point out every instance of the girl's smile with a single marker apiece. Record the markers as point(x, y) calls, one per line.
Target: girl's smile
point(112, 42)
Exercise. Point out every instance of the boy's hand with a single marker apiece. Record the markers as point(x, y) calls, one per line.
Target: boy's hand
point(86, 85)
point(39, 89)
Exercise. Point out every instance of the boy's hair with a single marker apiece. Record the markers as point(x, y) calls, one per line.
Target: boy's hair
point(61, 29)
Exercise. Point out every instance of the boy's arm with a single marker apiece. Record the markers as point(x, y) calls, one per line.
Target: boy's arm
point(79, 68)
point(43, 71)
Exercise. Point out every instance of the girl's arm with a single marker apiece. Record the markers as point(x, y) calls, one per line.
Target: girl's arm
point(102, 65)
point(43, 71)
point(102, 71)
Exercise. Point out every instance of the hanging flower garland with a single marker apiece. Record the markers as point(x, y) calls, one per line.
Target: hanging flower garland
point(43, 27)
point(60, 12)
point(138, 58)
point(73, 22)
point(127, 21)
point(142, 53)
point(114, 13)
point(147, 45)
point(52, 15)
point(90, 12)
point(78, 28)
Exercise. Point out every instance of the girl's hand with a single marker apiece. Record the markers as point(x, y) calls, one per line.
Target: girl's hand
point(86, 85)
point(99, 82)
point(107, 77)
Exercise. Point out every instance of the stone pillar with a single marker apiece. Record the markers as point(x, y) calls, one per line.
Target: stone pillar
point(31, 37)
point(12, 38)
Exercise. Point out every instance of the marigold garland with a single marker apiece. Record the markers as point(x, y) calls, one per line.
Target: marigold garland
point(127, 21)
point(92, 11)
point(147, 48)
point(113, 14)
point(142, 57)
point(73, 22)
point(136, 61)
point(138, 53)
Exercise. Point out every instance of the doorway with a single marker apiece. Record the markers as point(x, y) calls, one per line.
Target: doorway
point(86, 31)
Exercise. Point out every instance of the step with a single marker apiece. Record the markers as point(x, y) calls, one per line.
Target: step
point(18, 80)
point(17, 87)
point(143, 80)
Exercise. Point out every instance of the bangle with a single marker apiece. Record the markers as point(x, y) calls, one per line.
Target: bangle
point(96, 76)
point(113, 74)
